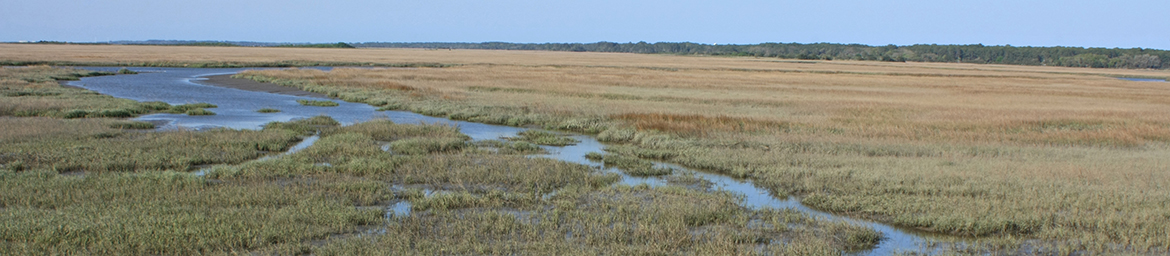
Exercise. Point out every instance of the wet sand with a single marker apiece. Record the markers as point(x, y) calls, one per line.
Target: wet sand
point(249, 85)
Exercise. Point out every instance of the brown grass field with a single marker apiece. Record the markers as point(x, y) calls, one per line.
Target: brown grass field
point(1067, 157)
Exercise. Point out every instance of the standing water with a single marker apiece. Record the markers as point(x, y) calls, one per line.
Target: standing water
point(237, 109)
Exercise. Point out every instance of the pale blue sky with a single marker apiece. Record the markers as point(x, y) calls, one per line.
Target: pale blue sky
point(1123, 24)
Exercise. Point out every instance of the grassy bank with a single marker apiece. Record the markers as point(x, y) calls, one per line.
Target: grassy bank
point(36, 91)
point(1015, 154)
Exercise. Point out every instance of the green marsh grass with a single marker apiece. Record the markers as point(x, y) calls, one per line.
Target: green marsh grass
point(630, 165)
point(125, 71)
point(99, 145)
point(318, 103)
point(35, 91)
point(268, 110)
point(192, 109)
point(199, 112)
point(167, 213)
point(418, 146)
point(511, 147)
point(305, 125)
point(539, 137)
point(136, 125)
point(493, 203)
point(616, 220)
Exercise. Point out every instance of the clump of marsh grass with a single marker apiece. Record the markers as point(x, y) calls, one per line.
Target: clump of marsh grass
point(125, 71)
point(181, 109)
point(630, 165)
point(268, 110)
point(318, 103)
point(386, 130)
point(417, 146)
point(136, 125)
point(544, 138)
point(511, 147)
point(305, 125)
point(199, 112)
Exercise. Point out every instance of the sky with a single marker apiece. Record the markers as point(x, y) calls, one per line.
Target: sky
point(1124, 24)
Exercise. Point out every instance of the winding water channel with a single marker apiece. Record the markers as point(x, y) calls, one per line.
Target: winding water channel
point(237, 109)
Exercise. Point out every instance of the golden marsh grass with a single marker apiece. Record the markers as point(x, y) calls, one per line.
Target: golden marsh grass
point(1015, 152)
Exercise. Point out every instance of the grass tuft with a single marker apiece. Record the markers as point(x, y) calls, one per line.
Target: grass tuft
point(181, 109)
point(544, 138)
point(305, 125)
point(199, 112)
point(136, 125)
point(418, 146)
point(630, 165)
point(318, 103)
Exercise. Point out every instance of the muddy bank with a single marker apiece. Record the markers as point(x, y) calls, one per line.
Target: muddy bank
point(249, 85)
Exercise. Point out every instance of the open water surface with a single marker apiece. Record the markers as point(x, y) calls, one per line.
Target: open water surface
point(237, 109)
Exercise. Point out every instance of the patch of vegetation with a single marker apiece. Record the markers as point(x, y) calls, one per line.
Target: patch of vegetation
point(168, 213)
point(34, 91)
point(318, 103)
point(546, 138)
point(199, 112)
point(102, 145)
point(511, 147)
point(268, 110)
point(134, 125)
point(125, 71)
point(180, 109)
point(418, 146)
point(630, 165)
point(305, 125)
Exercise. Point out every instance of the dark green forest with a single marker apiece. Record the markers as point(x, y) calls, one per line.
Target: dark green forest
point(977, 53)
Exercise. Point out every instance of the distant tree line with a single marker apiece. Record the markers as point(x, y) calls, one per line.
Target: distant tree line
point(1137, 58)
point(230, 43)
point(336, 45)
